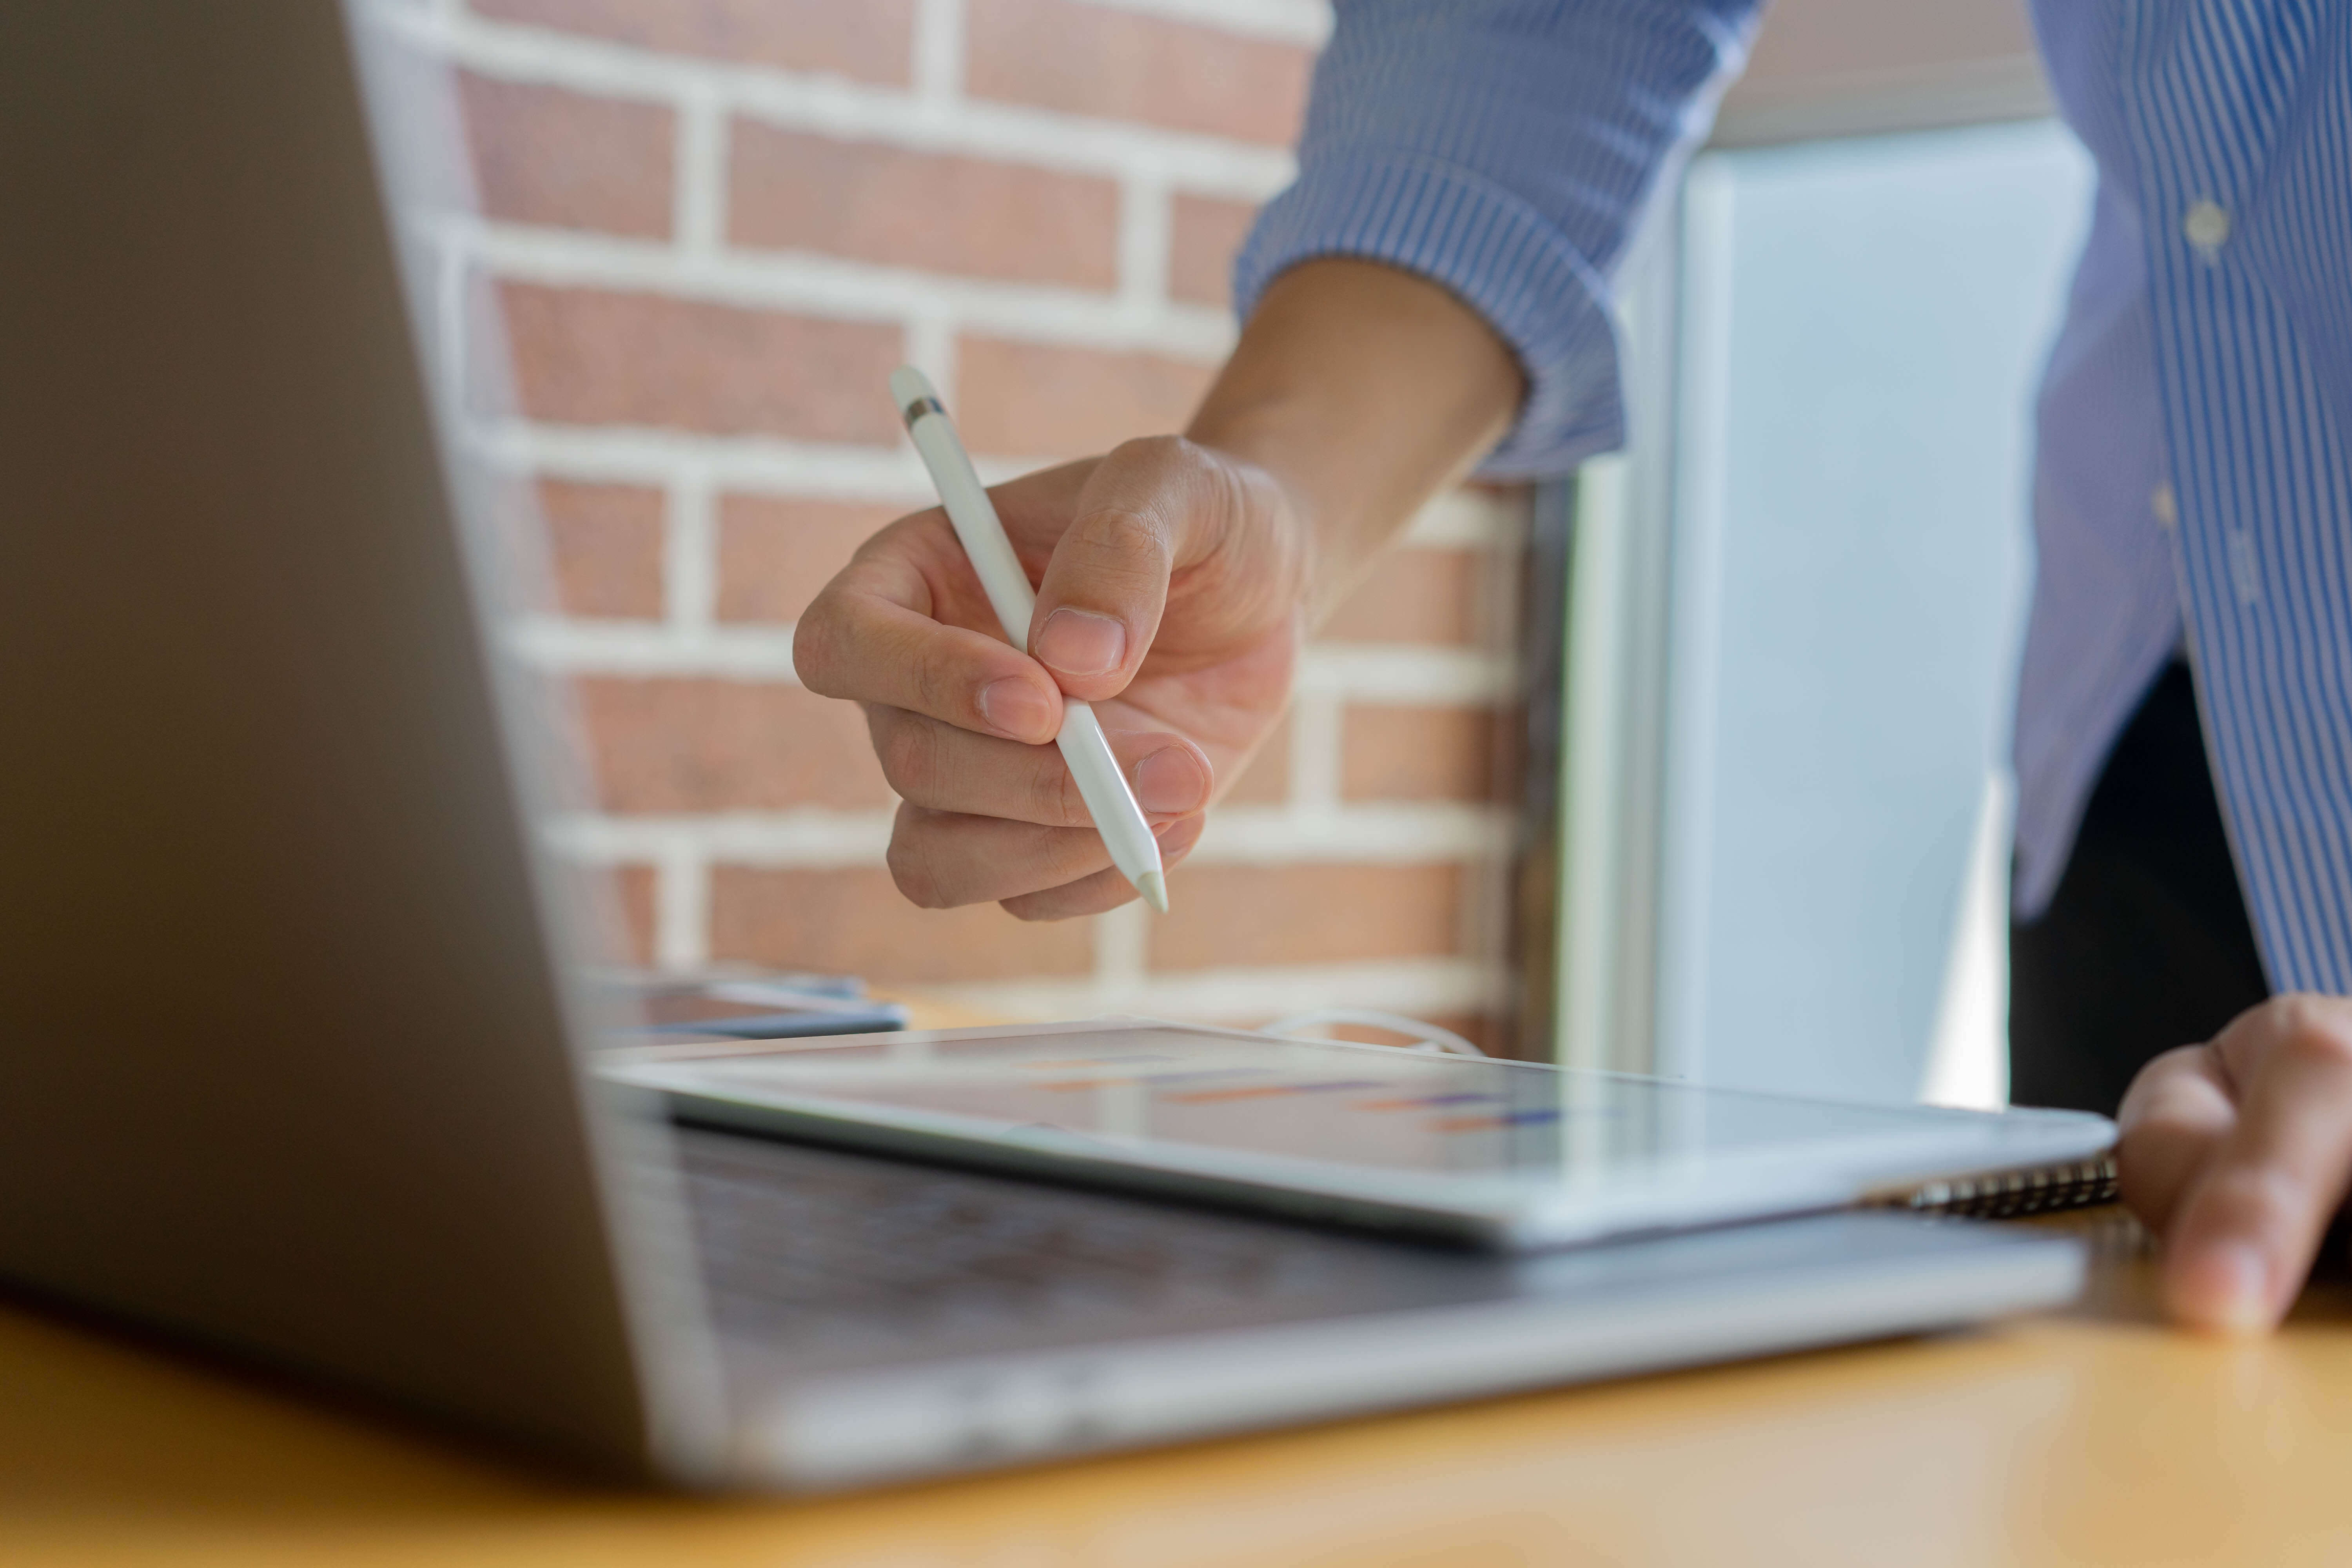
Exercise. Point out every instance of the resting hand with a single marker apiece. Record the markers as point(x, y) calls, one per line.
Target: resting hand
point(1171, 582)
point(2238, 1153)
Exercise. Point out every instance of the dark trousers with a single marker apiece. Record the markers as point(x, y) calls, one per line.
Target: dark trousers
point(2147, 946)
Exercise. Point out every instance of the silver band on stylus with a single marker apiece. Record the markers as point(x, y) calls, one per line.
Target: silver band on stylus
point(920, 406)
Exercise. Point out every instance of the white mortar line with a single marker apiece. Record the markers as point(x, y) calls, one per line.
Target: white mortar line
point(700, 197)
point(1403, 833)
point(810, 836)
point(932, 349)
point(661, 474)
point(937, 69)
point(733, 462)
point(681, 908)
point(1122, 944)
point(1307, 22)
point(1315, 720)
point(1467, 520)
point(834, 288)
point(1146, 222)
point(768, 466)
point(635, 648)
point(1330, 675)
point(690, 554)
point(1404, 676)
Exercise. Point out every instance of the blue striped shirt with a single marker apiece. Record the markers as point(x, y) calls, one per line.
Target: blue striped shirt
point(2192, 484)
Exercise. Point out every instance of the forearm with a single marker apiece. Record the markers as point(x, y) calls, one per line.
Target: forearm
point(1364, 391)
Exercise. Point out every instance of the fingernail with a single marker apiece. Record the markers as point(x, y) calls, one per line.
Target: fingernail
point(2224, 1287)
point(1079, 642)
point(1171, 779)
point(1016, 708)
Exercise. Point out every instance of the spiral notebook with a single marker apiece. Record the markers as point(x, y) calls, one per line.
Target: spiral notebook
point(2009, 1194)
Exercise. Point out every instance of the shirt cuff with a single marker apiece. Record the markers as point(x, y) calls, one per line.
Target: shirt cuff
point(1489, 246)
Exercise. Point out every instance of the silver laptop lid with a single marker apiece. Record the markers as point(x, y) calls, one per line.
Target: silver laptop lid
point(280, 1024)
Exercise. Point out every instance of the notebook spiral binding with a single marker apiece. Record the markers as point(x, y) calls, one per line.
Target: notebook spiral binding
point(2006, 1194)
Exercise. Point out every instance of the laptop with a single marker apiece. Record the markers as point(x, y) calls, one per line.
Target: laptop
point(293, 1045)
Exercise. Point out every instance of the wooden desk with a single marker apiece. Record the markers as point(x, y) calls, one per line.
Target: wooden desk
point(2097, 1436)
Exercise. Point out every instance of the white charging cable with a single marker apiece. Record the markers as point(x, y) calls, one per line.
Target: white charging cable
point(1429, 1039)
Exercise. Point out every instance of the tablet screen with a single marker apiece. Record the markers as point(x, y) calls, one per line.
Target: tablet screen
point(1340, 1104)
point(1432, 1133)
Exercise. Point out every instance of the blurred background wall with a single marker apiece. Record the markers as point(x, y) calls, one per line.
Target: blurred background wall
point(711, 229)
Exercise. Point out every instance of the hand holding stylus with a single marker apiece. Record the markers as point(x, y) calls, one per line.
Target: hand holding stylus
point(1168, 599)
point(1176, 579)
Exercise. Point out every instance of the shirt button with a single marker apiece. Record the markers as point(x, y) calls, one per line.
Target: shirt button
point(2159, 501)
point(2206, 226)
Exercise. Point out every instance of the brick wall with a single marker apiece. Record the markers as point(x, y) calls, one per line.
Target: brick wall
point(711, 227)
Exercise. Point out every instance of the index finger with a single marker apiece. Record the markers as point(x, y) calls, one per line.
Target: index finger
point(2244, 1236)
point(869, 638)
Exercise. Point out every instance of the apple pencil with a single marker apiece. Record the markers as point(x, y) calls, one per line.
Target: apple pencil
point(1101, 785)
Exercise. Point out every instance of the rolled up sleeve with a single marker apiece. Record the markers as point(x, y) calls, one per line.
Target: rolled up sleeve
point(1504, 149)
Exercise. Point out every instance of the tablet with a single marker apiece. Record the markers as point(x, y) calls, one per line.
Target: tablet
point(1498, 1153)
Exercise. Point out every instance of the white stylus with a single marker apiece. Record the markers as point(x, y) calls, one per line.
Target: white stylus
point(1101, 785)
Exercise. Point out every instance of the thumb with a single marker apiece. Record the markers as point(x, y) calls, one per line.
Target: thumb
point(1149, 509)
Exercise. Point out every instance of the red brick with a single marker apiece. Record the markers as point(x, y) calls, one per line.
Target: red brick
point(872, 41)
point(633, 891)
point(1417, 753)
point(601, 548)
point(1115, 65)
point(1206, 233)
point(854, 922)
point(775, 553)
point(690, 745)
point(1266, 781)
point(788, 191)
point(570, 159)
point(1233, 915)
point(590, 356)
point(1040, 400)
point(1421, 596)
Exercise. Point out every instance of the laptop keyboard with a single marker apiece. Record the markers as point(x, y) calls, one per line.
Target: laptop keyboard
point(804, 1246)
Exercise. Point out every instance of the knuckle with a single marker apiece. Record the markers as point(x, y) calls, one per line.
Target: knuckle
point(1155, 454)
point(2158, 1081)
point(1054, 793)
point(913, 868)
point(908, 752)
point(1122, 548)
point(2313, 1032)
point(938, 685)
point(1131, 533)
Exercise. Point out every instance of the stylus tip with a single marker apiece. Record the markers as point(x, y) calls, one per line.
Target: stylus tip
point(1154, 889)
